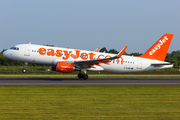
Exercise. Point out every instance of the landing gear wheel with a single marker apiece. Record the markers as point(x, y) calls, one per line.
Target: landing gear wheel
point(24, 70)
point(85, 76)
point(80, 75)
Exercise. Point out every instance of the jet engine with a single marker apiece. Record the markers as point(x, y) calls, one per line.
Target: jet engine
point(63, 67)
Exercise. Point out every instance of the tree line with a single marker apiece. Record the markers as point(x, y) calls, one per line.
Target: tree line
point(173, 57)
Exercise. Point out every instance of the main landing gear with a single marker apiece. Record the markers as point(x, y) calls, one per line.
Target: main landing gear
point(84, 76)
point(24, 70)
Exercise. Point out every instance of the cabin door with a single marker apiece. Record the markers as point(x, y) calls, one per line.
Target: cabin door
point(27, 50)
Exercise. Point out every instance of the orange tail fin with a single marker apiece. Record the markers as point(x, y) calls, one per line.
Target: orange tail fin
point(159, 50)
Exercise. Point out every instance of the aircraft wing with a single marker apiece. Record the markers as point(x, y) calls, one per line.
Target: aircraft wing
point(90, 63)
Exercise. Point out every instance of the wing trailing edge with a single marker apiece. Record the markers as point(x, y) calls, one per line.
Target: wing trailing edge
point(99, 61)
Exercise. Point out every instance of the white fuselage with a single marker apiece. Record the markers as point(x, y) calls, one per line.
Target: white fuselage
point(46, 55)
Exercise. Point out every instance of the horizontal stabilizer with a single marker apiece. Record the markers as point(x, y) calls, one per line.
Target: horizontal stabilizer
point(160, 64)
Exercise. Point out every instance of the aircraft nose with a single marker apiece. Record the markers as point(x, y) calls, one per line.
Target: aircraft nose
point(5, 53)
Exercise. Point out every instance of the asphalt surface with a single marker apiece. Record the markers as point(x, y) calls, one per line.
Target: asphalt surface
point(90, 81)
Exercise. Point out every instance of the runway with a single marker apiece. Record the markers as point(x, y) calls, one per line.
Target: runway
point(90, 81)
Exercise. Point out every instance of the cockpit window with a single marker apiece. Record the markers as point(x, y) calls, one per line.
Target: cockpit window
point(14, 48)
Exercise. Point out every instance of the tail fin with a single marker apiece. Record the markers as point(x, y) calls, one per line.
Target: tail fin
point(159, 50)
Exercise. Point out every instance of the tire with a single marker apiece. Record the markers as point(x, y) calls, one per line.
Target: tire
point(85, 77)
point(80, 75)
point(24, 70)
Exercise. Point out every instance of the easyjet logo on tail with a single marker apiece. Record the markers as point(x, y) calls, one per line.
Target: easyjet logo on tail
point(159, 50)
point(158, 46)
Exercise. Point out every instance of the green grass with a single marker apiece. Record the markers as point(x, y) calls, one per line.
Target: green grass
point(91, 75)
point(90, 102)
point(44, 70)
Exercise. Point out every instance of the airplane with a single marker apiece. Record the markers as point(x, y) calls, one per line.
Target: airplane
point(67, 60)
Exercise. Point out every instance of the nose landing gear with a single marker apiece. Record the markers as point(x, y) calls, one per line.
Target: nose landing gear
point(24, 70)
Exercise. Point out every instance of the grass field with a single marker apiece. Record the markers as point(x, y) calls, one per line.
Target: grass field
point(90, 102)
point(46, 70)
point(91, 75)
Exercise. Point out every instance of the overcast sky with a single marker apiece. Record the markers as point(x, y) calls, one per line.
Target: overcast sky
point(88, 24)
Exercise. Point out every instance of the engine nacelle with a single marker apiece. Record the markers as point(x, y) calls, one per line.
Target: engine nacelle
point(63, 67)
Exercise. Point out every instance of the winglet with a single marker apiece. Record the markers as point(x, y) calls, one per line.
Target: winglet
point(96, 49)
point(122, 51)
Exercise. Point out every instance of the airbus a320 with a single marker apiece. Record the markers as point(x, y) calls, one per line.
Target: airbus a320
point(69, 60)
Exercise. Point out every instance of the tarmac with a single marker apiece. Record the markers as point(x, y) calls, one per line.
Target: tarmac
point(90, 81)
